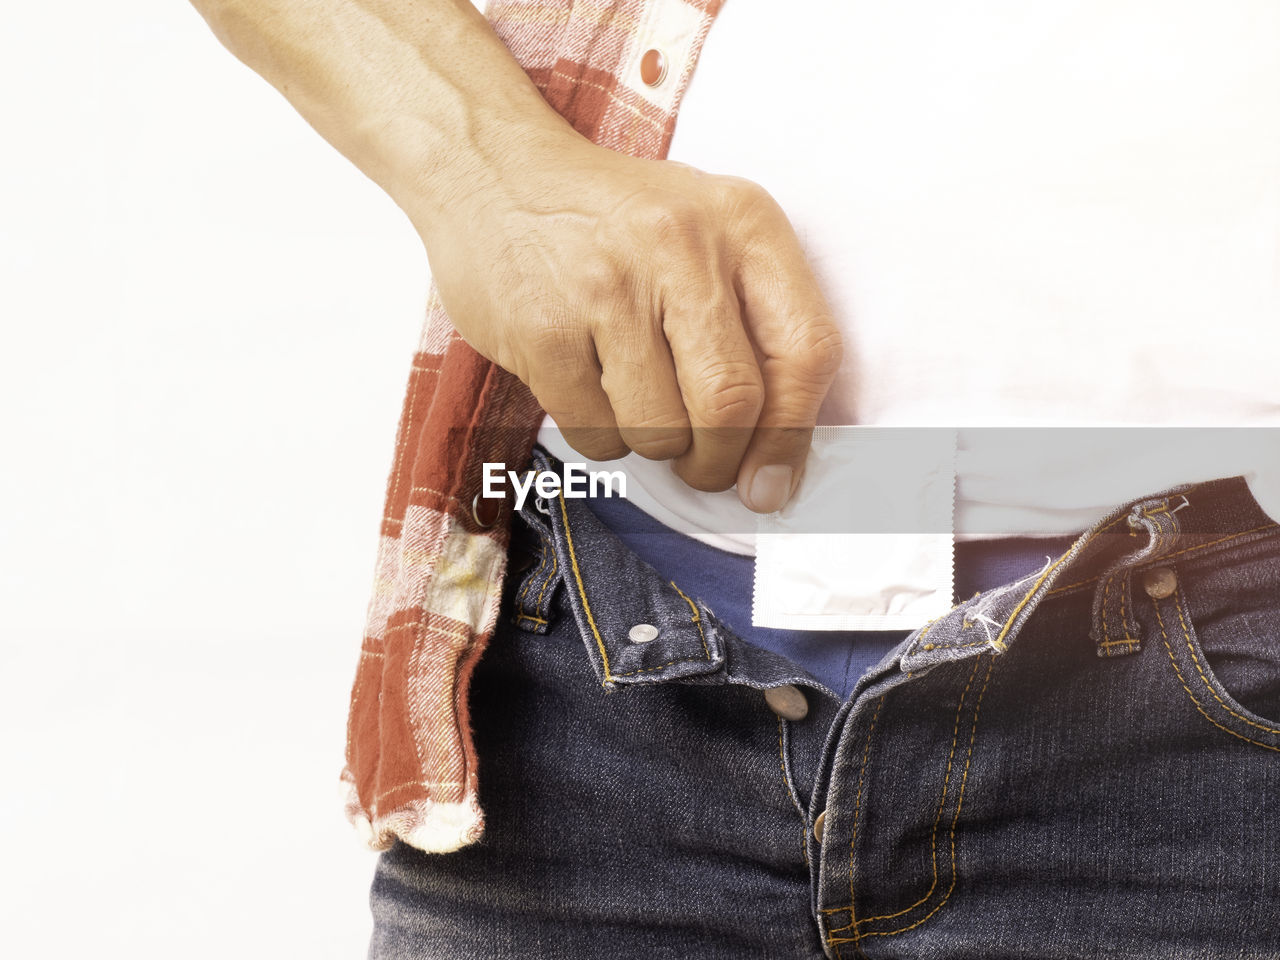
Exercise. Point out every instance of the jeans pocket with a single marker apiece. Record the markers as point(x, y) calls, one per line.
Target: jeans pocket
point(1220, 630)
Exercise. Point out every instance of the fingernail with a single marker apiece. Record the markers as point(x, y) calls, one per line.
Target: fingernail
point(769, 488)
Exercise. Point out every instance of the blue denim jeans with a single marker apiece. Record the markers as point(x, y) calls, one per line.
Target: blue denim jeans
point(1082, 763)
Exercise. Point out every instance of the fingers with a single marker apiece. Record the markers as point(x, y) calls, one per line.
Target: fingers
point(640, 382)
point(800, 348)
point(702, 337)
point(720, 382)
point(566, 379)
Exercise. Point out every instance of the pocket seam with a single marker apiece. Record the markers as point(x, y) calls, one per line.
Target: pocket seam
point(1164, 636)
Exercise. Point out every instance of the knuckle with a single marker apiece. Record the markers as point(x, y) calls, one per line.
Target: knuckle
point(728, 396)
point(599, 278)
point(672, 222)
point(743, 197)
point(818, 349)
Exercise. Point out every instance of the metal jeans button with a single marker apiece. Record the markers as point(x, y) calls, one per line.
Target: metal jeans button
point(787, 702)
point(643, 633)
point(1159, 583)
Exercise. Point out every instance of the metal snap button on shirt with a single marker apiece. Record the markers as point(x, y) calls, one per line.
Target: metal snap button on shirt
point(787, 702)
point(653, 67)
point(818, 826)
point(1159, 583)
point(643, 633)
point(485, 510)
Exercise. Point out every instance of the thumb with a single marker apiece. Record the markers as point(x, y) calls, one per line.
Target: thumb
point(800, 350)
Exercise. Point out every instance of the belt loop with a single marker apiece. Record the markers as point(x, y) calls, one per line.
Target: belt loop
point(533, 603)
point(1114, 629)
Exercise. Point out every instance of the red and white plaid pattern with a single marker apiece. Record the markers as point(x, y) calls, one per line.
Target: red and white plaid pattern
point(411, 766)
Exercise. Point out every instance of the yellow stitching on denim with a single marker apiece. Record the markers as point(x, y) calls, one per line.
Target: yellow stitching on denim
point(782, 764)
point(998, 642)
point(1128, 642)
point(695, 617)
point(1106, 596)
point(928, 646)
point(577, 575)
point(1164, 636)
point(1124, 617)
point(857, 807)
point(528, 582)
point(1186, 632)
point(955, 820)
point(958, 646)
point(973, 732)
point(555, 568)
point(933, 842)
point(632, 673)
point(1176, 553)
point(942, 804)
point(525, 616)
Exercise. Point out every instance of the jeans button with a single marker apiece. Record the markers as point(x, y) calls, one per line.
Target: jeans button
point(643, 633)
point(818, 825)
point(787, 702)
point(1159, 583)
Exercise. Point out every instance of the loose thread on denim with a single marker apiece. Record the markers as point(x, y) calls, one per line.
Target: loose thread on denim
point(1177, 553)
point(998, 642)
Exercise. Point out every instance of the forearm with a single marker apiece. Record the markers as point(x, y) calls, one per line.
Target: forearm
point(421, 95)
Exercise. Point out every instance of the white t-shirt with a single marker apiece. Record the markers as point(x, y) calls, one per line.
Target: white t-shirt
point(1062, 213)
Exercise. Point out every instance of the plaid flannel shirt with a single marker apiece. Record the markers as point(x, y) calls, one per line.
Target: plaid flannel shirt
point(411, 765)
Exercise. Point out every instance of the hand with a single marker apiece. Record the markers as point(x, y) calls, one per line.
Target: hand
point(649, 306)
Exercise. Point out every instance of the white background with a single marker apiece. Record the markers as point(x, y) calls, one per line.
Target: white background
point(208, 320)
